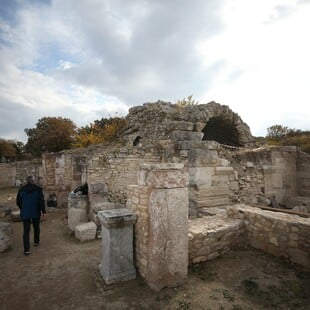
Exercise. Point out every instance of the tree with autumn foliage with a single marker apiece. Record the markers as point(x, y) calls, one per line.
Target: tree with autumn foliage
point(101, 131)
point(51, 134)
point(7, 151)
point(282, 135)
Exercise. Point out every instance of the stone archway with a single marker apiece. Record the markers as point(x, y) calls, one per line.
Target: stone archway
point(222, 130)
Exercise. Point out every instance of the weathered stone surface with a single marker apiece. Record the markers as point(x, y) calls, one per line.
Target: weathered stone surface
point(168, 241)
point(15, 216)
point(178, 135)
point(77, 210)
point(163, 175)
point(212, 236)
point(202, 157)
point(223, 170)
point(116, 263)
point(86, 231)
point(6, 234)
point(277, 233)
point(200, 176)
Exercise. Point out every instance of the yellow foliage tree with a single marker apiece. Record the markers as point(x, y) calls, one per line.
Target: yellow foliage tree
point(101, 131)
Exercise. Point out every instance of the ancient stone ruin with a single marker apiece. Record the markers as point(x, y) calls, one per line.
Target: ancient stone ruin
point(196, 182)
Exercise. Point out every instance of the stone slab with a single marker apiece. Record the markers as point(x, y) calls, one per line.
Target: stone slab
point(168, 241)
point(86, 231)
point(200, 176)
point(163, 175)
point(180, 135)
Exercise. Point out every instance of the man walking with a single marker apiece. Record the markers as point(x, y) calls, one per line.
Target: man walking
point(30, 201)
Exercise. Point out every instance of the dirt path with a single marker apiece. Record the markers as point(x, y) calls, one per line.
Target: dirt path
point(62, 273)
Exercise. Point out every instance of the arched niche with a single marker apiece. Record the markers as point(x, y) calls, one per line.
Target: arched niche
point(137, 141)
point(222, 130)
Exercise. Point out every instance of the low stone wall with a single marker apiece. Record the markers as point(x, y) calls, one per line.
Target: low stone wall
point(211, 236)
point(276, 233)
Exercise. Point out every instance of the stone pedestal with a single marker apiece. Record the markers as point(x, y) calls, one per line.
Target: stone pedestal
point(116, 263)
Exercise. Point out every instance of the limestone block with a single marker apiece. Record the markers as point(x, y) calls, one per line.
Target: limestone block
point(224, 170)
point(200, 175)
point(212, 192)
point(168, 239)
point(97, 192)
point(276, 179)
point(180, 125)
point(163, 175)
point(6, 234)
point(77, 210)
point(86, 231)
point(179, 135)
point(15, 216)
point(76, 217)
point(199, 126)
point(105, 205)
point(116, 264)
point(215, 202)
point(202, 157)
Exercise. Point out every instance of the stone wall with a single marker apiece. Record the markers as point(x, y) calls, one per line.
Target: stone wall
point(212, 236)
point(10, 172)
point(303, 174)
point(8, 175)
point(63, 172)
point(219, 176)
point(262, 173)
point(117, 168)
point(276, 233)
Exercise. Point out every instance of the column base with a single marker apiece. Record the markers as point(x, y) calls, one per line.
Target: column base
point(118, 277)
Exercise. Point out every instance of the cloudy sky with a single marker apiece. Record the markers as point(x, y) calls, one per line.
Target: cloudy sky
point(87, 59)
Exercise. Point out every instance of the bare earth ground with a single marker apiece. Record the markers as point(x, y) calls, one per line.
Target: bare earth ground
point(63, 274)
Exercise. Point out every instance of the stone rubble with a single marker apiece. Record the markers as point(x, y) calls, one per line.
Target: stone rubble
point(6, 235)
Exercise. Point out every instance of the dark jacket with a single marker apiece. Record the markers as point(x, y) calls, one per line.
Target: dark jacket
point(30, 200)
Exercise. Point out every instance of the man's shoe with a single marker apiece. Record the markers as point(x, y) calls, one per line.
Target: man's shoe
point(26, 253)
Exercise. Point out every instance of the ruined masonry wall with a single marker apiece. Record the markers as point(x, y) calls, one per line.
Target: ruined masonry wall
point(117, 169)
point(212, 236)
point(261, 173)
point(19, 171)
point(138, 198)
point(219, 176)
point(276, 233)
point(303, 174)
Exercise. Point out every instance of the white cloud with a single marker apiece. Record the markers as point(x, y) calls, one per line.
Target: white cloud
point(273, 65)
point(85, 61)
